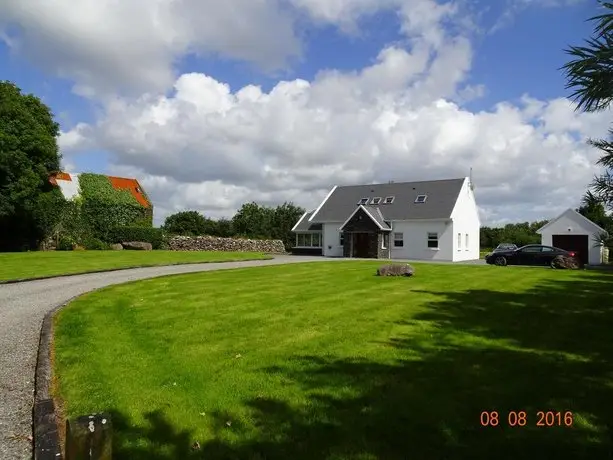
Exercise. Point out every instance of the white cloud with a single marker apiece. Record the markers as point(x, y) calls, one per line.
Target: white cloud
point(104, 45)
point(211, 149)
point(207, 146)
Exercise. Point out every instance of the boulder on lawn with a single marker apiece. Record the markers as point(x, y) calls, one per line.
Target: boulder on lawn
point(137, 245)
point(116, 247)
point(395, 270)
point(566, 262)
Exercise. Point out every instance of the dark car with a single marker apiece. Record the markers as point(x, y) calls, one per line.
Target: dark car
point(531, 254)
point(505, 247)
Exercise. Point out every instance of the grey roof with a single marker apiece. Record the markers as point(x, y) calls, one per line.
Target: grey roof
point(304, 225)
point(442, 196)
point(377, 215)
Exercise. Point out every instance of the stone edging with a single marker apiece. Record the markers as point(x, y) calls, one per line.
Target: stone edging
point(44, 420)
point(106, 270)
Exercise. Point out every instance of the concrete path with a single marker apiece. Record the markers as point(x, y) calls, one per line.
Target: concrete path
point(22, 309)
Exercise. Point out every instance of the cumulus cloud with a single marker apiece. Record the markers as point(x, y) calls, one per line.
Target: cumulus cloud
point(104, 45)
point(209, 148)
point(204, 145)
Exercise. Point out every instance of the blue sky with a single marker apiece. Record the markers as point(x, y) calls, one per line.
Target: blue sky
point(513, 51)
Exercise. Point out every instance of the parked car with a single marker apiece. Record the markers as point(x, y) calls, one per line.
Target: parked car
point(505, 247)
point(531, 254)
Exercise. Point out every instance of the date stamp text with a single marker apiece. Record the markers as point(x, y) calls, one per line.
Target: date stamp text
point(522, 418)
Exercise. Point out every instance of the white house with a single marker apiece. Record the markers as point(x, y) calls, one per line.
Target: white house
point(574, 232)
point(427, 220)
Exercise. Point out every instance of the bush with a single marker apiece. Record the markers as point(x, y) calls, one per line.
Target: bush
point(94, 244)
point(155, 236)
point(65, 244)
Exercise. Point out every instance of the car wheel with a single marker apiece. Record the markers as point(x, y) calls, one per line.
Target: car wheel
point(501, 261)
point(553, 264)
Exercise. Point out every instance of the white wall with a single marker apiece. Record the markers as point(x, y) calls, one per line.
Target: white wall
point(577, 226)
point(331, 238)
point(465, 217)
point(416, 240)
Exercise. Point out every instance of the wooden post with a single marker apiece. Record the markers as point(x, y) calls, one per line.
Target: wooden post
point(89, 437)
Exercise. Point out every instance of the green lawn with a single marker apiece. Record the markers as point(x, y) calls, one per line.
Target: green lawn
point(25, 265)
point(328, 361)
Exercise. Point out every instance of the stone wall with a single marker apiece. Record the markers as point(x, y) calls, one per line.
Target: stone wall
point(213, 243)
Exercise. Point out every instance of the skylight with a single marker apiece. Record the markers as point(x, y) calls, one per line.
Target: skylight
point(376, 200)
point(421, 198)
point(389, 200)
point(363, 201)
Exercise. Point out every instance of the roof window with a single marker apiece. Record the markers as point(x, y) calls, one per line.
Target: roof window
point(363, 201)
point(389, 200)
point(421, 198)
point(376, 200)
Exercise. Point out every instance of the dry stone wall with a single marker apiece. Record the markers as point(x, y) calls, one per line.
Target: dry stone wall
point(213, 243)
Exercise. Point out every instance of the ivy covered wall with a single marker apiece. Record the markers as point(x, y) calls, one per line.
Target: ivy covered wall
point(100, 209)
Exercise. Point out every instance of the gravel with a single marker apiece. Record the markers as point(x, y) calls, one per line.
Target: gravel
point(22, 309)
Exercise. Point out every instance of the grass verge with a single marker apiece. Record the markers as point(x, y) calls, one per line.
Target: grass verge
point(28, 265)
point(327, 361)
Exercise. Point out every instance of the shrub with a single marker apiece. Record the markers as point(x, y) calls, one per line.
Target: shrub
point(155, 236)
point(94, 244)
point(65, 243)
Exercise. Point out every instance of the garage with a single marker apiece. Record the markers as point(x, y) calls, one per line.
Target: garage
point(574, 232)
point(576, 243)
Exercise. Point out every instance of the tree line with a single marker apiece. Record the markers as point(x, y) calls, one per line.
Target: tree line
point(250, 221)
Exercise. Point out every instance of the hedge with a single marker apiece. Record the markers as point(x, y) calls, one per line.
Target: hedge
point(155, 236)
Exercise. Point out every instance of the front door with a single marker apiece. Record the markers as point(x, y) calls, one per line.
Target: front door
point(360, 245)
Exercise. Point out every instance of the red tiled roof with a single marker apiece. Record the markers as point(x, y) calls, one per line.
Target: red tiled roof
point(122, 183)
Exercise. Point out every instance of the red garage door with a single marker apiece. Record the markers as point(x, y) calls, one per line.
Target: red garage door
point(576, 243)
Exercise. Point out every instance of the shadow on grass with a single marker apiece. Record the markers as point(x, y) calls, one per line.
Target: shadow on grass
point(548, 349)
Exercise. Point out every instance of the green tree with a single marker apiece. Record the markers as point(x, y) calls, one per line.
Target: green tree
point(253, 220)
point(284, 218)
point(28, 154)
point(593, 208)
point(590, 77)
point(189, 223)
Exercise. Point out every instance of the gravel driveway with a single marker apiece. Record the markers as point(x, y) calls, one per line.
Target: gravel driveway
point(22, 309)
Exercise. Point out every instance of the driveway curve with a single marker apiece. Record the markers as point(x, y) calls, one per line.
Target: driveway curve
point(23, 307)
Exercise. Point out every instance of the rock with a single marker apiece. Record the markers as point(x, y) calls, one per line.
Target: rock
point(116, 247)
point(214, 243)
point(395, 270)
point(565, 262)
point(137, 245)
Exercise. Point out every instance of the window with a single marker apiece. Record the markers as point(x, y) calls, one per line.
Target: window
point(385, 241)
point(363, 201)
point(341, 239)
point(308, 240)
point(532, 249)
point(466, 242)
point(547, 249)
point(421, 198)
point(376, 200)
point(389, 200)
point(433, 240)
point(459, 241)
point(398, 240)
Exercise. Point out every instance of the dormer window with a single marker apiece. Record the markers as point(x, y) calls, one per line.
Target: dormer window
point(376, 200)
point(389, 200)
point(421, 198)
point(363, 201)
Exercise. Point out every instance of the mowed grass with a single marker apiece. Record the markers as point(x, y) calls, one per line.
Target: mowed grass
point(328, 361)
point(26, 265)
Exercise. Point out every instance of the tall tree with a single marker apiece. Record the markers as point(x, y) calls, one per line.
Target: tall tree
point(189, 223)
point(592, 208)
point(28, 154)
point(590, 77)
